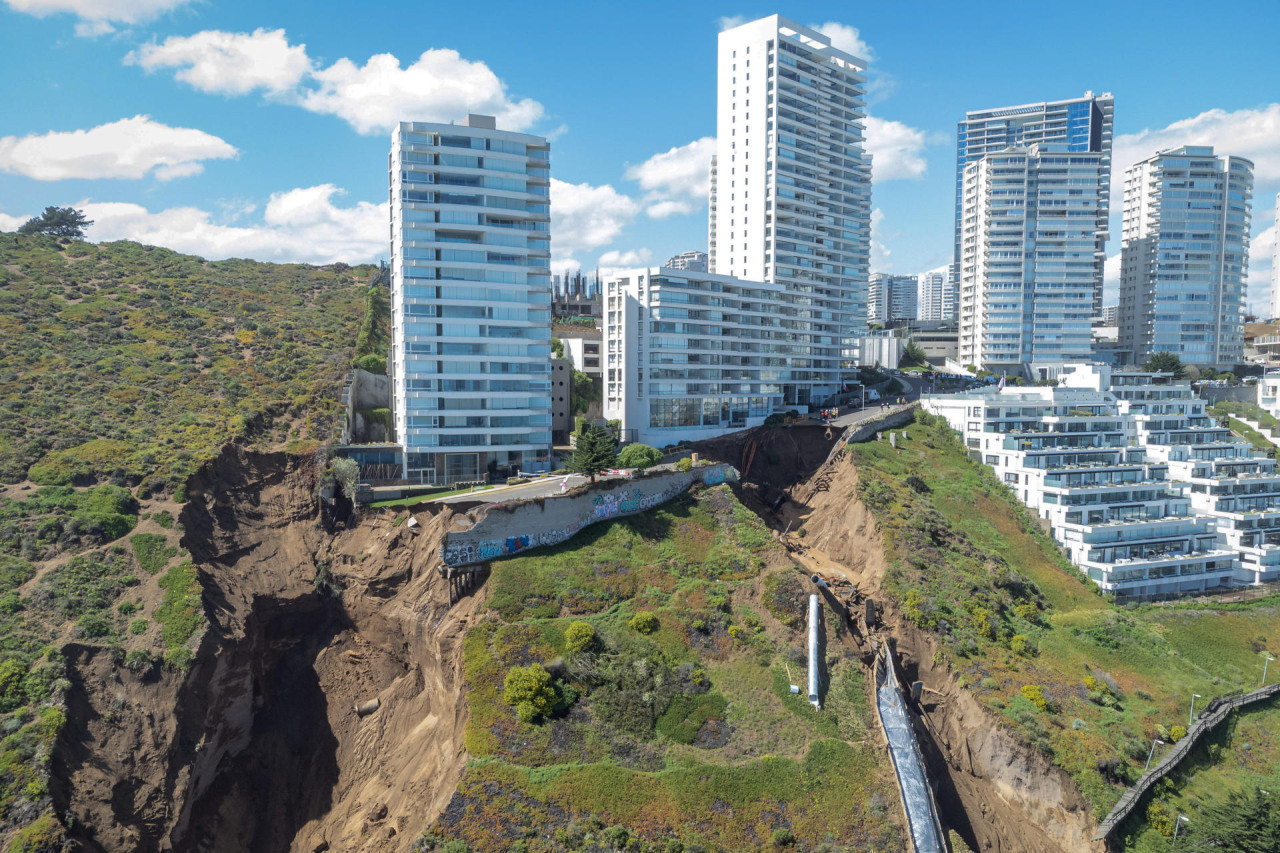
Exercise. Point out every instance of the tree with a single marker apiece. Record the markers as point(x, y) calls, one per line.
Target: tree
point(639, 456)
point(596, 451)
point(913, 355)
point(557, 347)
point(1242, 822)
point(57, 222)
point(583, 391)
point(1165, 362)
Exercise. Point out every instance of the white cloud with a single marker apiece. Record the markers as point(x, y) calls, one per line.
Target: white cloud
point(879, 251)
point(629, 258)
point(440, 86)
point(96, 16)
point(846, 38)
point(1261, 261)
point(663, 209)
point(897, 149)
point(229, 63)
point(11, 223)
point(681, 171)
point(728, 22)
point(676, 181)
point(1251, 133)
point(585, 217)
point(129, 148)
point(299, 226)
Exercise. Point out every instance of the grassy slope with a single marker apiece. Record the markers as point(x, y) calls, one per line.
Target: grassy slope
point(1143, 663)
point(695, 563)
point(133, 365)
point(139, 362)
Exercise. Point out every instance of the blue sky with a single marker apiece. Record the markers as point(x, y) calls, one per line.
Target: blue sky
point(261, 130)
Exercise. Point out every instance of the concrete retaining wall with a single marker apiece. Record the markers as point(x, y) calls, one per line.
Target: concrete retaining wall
point(511, 527)
point(899, 416)
point(1238, 394)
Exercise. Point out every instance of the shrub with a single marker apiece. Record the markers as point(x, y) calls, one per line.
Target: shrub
point(151, 551)
point(138, 626)
point(140, 662)
point(686, 715)
point(1035, 693)
point(1020, 645)
point(164, 518)
point(94, 625)
point(639, 456)
point(12, 696)
point(372, 362)
point(644, 622)
point(684, 465)
point(180, 614)
point(579, 637)
point(529, 690)
point(1177, 733)
point(783, 838)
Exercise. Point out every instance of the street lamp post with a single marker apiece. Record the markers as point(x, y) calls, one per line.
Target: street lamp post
point(1151, 753)
point(1268, 659)
point(1178, 826)
point(1191, 716)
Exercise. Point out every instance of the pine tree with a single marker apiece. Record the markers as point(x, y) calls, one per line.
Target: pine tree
point(597, 450)
point(57, 222)
point(1242, 823)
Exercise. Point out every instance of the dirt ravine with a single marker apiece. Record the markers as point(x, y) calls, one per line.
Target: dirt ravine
point(259, 746)
point(996, 791)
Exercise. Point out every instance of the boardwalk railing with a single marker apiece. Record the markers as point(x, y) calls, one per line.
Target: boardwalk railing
point(1180, 750)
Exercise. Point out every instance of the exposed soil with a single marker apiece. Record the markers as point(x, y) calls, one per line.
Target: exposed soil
point(260, 746)
point(996, 791)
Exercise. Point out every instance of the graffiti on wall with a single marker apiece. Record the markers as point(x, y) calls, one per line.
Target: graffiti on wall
point(468, 547)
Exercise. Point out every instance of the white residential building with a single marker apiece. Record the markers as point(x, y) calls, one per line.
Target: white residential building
point(1080, 124)
point(584, 353)
point(692, 261)
point(935, 298)
point(791, 188)
point(470, 300)
point(695, 355)
point(1269, 392)
point(1149, 497)
point(892, 297)
point(1185, 256)
point(1032, 250)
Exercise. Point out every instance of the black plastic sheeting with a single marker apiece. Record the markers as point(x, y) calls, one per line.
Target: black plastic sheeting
point(908, 763)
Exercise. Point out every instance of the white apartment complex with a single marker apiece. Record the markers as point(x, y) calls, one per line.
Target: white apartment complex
point(1149, 496)
point(694, 355)
point(470, 300)
point(692, 261)
point(790, 184)
point(935, 298)
point(1185, 256)
point(892, 297)
point(1033, 236)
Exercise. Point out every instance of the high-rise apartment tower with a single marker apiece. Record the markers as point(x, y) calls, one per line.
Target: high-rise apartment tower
point(1184, 261)
point(1080, 124)
point(791, 189)
point(470, 300)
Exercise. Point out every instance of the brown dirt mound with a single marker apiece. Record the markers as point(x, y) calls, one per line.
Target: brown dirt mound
point(259, 746)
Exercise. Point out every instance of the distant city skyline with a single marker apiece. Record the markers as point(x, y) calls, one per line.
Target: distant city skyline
point(162, 118)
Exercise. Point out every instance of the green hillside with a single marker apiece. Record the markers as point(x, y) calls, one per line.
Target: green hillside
point(134, 364)
point(123, 368)
point(665, 645)
point(1087, 683)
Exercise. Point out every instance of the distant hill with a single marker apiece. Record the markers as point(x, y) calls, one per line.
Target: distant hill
point(134, 364)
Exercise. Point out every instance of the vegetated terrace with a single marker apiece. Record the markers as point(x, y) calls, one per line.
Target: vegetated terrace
point(1087, 683)
point(632, 688)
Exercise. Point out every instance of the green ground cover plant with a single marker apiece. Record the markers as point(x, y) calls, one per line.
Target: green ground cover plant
point(1088, 683)
point(654, 713)
point(132, 365)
